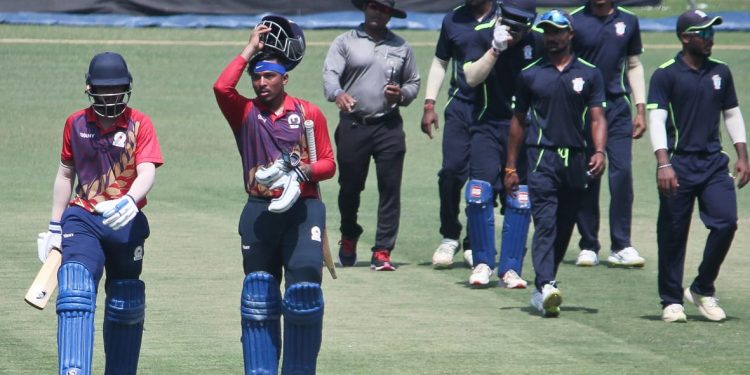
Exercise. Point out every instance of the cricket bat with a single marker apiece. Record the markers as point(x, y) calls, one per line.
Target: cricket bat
point(312, 152)
point(45, 282)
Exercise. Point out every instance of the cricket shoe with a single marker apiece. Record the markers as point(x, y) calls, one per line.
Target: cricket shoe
point(674, 313)
point(547, 301)
point(443, 256)
point(511, 280)
point(708, 306)
point(381, 261)
point(468, 258)
point(480, 276)
point(627, 257)
point(348, 251)
point(587, 258)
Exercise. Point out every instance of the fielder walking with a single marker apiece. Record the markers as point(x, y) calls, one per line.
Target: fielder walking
point(687, 97)
point(559, 89)
point(282, 224)
point(369, 73)
point(112, 151)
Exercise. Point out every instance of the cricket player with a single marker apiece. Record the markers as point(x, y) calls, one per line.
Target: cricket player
point(609, 37)
point(282, 224)
point(687, 97)
point(112, 151)
point(560, 90)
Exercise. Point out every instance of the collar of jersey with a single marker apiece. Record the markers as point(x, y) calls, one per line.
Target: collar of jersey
point(121, 121)
point(288, 106)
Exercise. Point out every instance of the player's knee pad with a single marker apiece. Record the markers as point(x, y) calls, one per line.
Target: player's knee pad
point(76, 302)
point(481, 221)
point(261, 330)
point(515, 230)
point(303, 328)
point(123, 325)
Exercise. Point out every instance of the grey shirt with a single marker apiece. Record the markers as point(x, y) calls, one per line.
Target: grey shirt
point(362, 67)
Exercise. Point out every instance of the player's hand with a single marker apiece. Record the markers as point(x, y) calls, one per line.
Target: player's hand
point(256, 36)
point(429, 121)
point(639, 124)
point(117, 213)
point(345, 102)
point(392, 94)
point(597, 164)
point(267, 175)
point(46, 241)
point(500, 37)
point(511, 181)
point(741, 173)
point(666, 180)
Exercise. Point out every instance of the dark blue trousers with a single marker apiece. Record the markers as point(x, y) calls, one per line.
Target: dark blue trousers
point(556, 184)
point(705, 178)
point(458, 117)
point(620, 172)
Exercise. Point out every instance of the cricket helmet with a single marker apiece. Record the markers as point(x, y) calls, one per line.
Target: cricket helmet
point(285, 39)
point(108, 69)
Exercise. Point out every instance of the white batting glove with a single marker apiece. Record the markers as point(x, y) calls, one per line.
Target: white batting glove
point(500, 37)
point(267, 175)
point(291, 193)
point(46, 241)
point(119, 212)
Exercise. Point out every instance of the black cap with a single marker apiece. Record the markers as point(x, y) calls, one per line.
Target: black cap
point(391, 4)
point(519, 8)
point(696, 20)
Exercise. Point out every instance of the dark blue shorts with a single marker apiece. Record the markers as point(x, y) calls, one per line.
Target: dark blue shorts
point(86, 240)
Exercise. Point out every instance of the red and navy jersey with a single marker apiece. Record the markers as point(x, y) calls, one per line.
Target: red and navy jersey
point(262, 136)
point(607, 42)
point(459, 39)
point(559, 101)
point(105, 160)
point(695, 100)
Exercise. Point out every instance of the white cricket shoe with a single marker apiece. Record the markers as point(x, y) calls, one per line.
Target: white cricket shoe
point(468, 258)
point(627, 257)
point(511, 280)
point(707, 305)
point(674, 313)
point(442, 258)
point(480, 276)
point(547, 301)
point(587, 258)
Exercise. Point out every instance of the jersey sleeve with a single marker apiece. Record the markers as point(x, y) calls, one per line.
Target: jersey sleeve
point(658, 91)
point(231, 103)
point(147, 148)
point(444, 48)
point(522, 97)
point(597, 97)
point(635, 45)
point(66, 154)
point(325, 166)
point(730, 95)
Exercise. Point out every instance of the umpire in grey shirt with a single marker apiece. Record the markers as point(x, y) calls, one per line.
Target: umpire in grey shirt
point(369, 73)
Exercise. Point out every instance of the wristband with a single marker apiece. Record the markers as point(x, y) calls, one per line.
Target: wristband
point(429, 106)
point(510, 171)
point(600, 152)
point(664, 166)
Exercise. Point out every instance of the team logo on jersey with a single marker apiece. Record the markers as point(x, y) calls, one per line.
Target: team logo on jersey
point(315, 233)
point(119, 139)
point(717, 81)
point(261, 118)
point(138, 254)
point(294, 121)
point(528, 52)
point(620, 28)
point(578, 84)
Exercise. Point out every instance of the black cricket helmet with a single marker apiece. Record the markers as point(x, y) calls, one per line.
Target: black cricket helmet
point(285, 39)
point(108, 69)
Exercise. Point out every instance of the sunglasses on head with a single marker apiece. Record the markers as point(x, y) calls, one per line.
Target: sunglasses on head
point(707, 33)
point(379, 7)
point(555, 17)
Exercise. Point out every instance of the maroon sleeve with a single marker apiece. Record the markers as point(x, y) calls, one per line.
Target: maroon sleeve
point(233, 105)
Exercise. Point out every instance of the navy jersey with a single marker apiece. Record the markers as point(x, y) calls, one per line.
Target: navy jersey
point(559, 101)
point(458, 39)
point(694, 100)
point(607, 43)
point(495, 94)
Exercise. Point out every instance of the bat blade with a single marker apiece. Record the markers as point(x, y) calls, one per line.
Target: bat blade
point(45, 282)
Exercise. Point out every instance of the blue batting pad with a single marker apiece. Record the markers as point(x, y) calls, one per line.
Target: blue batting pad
point(303, 328)
point(481, 221)
point(515, 230)
point(76, 302)
point(261, 330)
point(123, 325)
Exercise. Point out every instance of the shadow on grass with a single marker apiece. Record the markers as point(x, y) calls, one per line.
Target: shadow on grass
point(563, 309)
point(691, 318)
point(605, 264)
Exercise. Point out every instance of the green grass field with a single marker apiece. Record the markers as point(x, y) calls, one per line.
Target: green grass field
point(413, 321)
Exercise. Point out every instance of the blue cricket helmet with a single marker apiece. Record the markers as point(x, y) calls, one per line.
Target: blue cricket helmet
point(108, 69)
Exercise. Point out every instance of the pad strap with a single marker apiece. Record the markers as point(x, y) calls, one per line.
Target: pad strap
point(76, 303)
point(123, 325)
point(303, 327)
point(261, 330)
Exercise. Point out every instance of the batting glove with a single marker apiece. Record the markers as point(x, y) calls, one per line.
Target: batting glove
point(500, 37)
point(290, 183)
point(119, 212)
point(268, 175)
point(46, 241)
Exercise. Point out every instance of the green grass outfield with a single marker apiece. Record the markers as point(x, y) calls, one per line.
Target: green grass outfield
point(412, 321)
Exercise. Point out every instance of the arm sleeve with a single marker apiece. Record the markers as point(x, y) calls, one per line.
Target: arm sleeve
point(333, 69)
point(435, 78)
point(636, 79)
point(410, 87)
point(657, 119)
point(478, 71)
point(735, 125)
point(325, 167)
point(147, 144)
point(231, 103)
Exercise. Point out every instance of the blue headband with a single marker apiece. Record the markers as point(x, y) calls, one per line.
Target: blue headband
point(269, 66)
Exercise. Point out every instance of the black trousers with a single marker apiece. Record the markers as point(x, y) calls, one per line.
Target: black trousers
point(384, 142)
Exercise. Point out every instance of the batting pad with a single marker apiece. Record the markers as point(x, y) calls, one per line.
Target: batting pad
point(261, 331)
point(303, 328)
point(515, 231)
point(76, 303)
point(481, 217)
point(123, 325)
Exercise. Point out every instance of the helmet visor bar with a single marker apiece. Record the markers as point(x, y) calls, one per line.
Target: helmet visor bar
point(109, 105)
point(278, 39)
